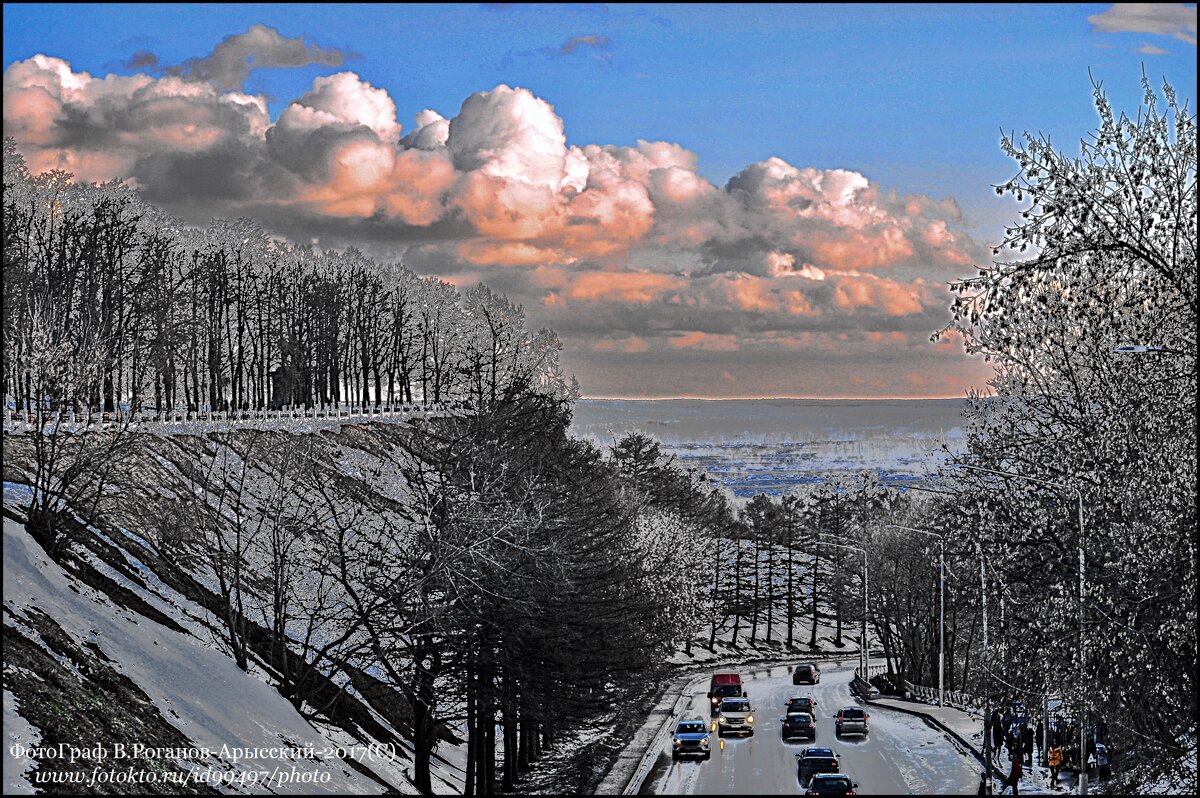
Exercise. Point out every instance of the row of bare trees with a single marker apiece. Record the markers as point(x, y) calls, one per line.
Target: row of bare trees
point(166, 316)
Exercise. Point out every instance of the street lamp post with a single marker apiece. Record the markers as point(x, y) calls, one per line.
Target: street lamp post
point(988, 731)
point(1083, 776)
point(865, 653)
point(941, 608)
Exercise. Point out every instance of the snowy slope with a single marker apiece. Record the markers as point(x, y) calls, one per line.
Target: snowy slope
point(196, 689)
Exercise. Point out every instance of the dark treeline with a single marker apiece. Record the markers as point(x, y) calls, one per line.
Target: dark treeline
point(227, 318)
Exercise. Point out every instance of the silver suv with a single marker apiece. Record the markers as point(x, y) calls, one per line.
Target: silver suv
point(851, 720)
point(735, 716)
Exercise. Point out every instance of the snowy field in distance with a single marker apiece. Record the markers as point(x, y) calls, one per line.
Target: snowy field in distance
point(772, 445)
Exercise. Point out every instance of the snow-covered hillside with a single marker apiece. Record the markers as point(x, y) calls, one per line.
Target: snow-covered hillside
point(113, 643)
point(188, 695)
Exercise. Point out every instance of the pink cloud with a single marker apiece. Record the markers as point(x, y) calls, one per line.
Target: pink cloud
point(798, 304)
point(710, 342)
point(866, 291)
point(750, 293)
point(631, 344)
point(633, 287)
point(497, 184)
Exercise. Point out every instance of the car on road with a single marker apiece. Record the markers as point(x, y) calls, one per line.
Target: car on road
point(832, 784)
point(802, 703)
point(798, 725)
point(690, 739)
point(806, 673)
point(721, 686)
point(811, 761)
point(851, 720)
point(735, 716)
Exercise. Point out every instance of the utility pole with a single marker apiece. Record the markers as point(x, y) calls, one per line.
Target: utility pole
point(987, 690)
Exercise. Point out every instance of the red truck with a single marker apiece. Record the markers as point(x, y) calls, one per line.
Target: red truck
point(723, 685)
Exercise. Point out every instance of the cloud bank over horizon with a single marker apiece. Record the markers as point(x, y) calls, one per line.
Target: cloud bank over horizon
point(787, 280)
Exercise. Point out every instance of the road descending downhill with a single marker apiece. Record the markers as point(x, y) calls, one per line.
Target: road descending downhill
point(901, 756)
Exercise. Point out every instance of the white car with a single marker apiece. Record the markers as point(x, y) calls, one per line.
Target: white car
point(735, 716)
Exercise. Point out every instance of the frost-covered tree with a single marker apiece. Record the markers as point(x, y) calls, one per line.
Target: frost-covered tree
point(1106, 258)
point(66, 471)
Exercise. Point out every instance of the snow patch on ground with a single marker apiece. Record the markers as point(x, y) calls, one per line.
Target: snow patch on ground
point(17, 731)
point(199, 691)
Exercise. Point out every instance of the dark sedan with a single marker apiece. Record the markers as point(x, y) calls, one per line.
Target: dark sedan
point(811, 761)
point(831, 784)
point(798, 726)
point(806, 673)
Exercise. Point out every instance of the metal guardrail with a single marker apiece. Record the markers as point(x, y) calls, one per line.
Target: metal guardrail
point(954, 698)
point(863, 685)
point(21, 423)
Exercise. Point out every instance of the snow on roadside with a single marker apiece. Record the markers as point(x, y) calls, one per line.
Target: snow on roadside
point(197, 690)
point(18, 731)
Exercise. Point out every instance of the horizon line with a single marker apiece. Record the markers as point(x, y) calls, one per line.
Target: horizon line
point(771, 398)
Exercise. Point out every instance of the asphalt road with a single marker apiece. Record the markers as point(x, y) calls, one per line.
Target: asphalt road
point(901, 756)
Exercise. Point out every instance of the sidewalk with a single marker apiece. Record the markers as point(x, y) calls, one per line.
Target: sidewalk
point(966, 728)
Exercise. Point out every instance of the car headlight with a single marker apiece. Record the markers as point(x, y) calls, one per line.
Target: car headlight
point(721, 719)
point(749, 718)
point(704, 743)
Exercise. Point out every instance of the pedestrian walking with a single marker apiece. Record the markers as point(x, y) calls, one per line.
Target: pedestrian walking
point(1027, 743)
point(997, 735)
point(1055, 760)
point(1041, 740)
point(983, 784)
point(1102, 761)
point(1012, 742)
point(1014, 777)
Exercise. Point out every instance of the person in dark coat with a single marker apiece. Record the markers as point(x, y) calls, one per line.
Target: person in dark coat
point(983, 783)
point(997, 735)
point(1041, 739)
point(1013, 742)
point(1102, 762)
point(1027, 743)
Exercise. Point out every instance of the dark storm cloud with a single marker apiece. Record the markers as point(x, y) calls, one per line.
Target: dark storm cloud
point(142, 59)
point(230, 63)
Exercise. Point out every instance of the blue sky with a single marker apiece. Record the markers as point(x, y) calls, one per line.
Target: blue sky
point(911, 97)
